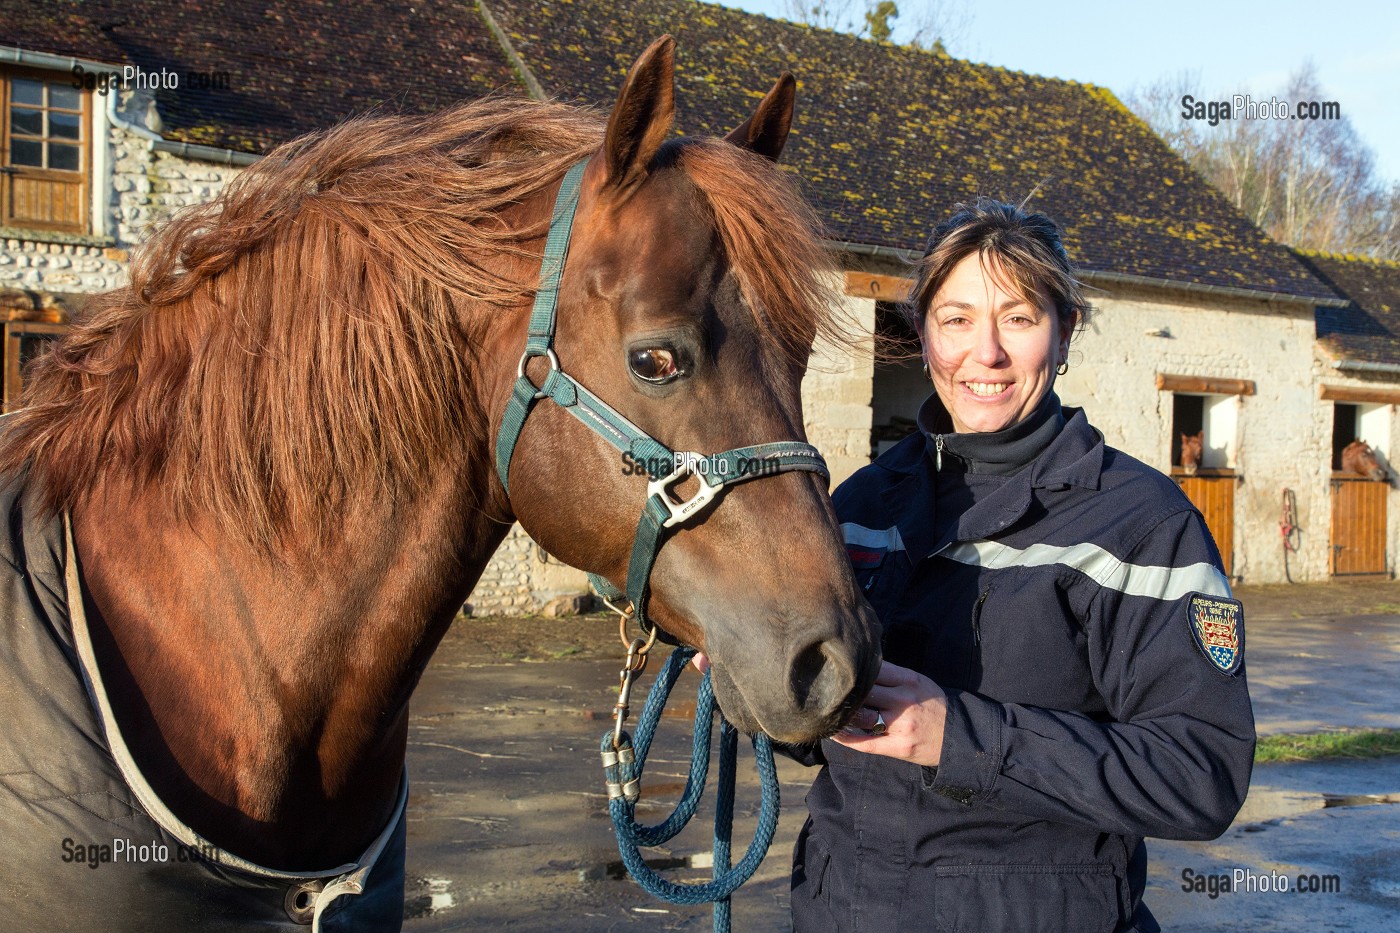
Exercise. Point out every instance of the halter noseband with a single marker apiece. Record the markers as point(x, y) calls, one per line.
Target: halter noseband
point(715, 472)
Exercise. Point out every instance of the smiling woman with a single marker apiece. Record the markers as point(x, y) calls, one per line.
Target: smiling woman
point(1062, 669)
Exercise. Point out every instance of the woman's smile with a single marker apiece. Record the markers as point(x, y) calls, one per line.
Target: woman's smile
point(992, 351)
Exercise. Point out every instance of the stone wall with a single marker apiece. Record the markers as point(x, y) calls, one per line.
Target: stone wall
point(142, 187)
point(1281, 435)
point(836, 394)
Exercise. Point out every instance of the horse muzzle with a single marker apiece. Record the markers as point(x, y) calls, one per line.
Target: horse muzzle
point(799, 690)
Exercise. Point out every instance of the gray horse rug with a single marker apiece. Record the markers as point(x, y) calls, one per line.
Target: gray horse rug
point(85, 844)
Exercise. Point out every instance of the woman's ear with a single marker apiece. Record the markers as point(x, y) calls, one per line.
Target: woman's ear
point(1066, 335)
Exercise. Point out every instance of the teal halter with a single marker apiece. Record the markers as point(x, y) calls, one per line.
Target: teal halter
point(715, 472)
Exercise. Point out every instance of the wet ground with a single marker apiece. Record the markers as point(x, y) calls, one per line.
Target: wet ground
point(508, 822)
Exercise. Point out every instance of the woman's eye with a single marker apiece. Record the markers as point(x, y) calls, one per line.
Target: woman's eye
point(654, 365)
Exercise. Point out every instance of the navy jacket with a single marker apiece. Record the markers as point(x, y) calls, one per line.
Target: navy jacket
point(1081, 625)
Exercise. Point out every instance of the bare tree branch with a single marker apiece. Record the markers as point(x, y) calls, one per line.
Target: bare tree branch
point(1309, 183)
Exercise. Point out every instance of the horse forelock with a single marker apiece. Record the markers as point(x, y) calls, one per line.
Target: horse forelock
point(772, 240)
point(304, 331)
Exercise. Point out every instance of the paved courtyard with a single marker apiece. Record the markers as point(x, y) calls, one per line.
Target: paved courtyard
point(508, 823)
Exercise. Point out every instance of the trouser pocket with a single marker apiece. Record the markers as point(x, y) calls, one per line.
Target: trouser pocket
point(1025, 898)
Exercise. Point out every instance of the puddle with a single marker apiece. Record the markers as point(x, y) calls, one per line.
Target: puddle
point(1357, 800)
point(615, 870)
point(1267, 804)
point(430, 896)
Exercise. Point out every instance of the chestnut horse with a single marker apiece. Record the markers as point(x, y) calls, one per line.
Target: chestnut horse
point(275, 451)
point(1191, 449)
point(1359, 458)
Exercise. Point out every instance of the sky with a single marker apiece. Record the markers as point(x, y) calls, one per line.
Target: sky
point(1234, 48)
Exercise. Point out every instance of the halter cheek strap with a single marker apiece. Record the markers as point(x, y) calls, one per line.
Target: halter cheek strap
point(665, 468)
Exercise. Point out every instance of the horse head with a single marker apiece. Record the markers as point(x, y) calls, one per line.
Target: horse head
point(689, 303)
point(1359, 458)
point(1191, 447)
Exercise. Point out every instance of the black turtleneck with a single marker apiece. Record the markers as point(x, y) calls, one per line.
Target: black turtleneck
point(970, 466)
point(1000, 453)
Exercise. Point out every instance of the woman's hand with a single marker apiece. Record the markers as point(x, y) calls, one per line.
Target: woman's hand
point(700, 662)
point(913, 709)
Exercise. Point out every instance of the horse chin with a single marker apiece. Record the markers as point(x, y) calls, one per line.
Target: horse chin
point(784, 729)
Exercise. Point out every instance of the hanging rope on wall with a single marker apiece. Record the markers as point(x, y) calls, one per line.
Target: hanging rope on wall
point(1288, 530)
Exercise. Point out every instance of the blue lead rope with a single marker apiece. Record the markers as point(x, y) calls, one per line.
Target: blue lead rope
point(623, 769)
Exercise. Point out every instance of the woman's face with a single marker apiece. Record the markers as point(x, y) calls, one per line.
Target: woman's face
point(991, 352)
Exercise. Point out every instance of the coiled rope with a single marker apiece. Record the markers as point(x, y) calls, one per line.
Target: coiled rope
point(624, 758)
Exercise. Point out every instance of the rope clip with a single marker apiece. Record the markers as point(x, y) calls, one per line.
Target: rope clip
point(634, 664)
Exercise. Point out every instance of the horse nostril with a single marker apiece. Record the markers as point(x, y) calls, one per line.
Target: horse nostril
point(820, 677)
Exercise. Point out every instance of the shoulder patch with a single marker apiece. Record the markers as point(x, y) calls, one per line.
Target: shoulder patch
point(1217, 624)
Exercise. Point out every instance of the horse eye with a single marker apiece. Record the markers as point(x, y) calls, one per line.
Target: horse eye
point(654, 364)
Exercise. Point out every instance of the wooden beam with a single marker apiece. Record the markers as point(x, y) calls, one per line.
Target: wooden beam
point(879, 287)
point(1361, 394)
point(1205, 385)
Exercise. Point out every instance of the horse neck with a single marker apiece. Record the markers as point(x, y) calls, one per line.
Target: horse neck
point(264, 699)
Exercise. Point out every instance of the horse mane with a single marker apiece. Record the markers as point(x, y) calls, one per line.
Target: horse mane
point(300, 335)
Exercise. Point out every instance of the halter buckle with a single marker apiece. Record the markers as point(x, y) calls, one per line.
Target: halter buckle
point(686, 466)
point(526, 357)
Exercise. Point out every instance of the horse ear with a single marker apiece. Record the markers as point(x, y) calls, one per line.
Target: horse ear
point(641, 118)
point(767, 130)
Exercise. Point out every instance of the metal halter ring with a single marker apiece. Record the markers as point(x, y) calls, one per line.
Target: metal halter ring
point(635, 646)
point(527, 356)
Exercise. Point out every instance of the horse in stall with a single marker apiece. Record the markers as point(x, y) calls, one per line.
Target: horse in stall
point(249, 492)
point(1192, 446)
point(1359, 458)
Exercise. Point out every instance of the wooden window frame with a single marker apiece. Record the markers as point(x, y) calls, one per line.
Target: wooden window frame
point(1363, 395)
point(9, 172)
point(1204, 385)
point(14, 376)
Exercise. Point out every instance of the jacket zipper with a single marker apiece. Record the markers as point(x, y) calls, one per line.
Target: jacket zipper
point(938, 451)
point(977, 616)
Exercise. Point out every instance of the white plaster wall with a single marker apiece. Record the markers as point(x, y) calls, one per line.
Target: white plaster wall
point(1282, 434)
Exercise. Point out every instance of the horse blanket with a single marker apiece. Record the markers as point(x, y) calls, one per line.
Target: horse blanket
point(84, 841)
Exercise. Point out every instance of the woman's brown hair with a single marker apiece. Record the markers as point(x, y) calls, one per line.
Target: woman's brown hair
point(1026, 245)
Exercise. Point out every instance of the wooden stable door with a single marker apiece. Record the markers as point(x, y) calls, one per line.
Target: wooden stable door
point(1358, 526)
point(1215, 497)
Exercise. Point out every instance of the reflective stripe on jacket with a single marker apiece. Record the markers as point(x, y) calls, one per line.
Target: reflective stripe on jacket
point(1083, 712)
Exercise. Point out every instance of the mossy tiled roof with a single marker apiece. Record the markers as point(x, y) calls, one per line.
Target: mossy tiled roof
point(888, 138)
point(292, 65)
point(1368, 329)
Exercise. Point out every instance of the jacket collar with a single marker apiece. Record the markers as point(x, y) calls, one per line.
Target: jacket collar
point(1073, 459)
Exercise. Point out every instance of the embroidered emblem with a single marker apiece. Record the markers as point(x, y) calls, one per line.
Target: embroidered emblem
point(1217, 625)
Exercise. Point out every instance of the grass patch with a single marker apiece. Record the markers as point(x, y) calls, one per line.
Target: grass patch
point(1316, 746)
